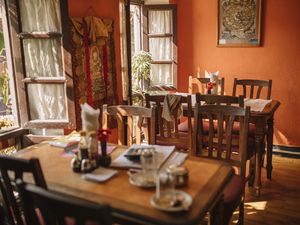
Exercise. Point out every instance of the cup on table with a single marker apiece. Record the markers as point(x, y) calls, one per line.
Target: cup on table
point(165, 186)
point(149, 165)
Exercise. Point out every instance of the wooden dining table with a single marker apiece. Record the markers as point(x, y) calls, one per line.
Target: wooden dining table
point(263, 120)
point(131, 204)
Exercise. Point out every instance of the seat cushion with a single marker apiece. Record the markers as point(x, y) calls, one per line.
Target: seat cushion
point(232, 197)
point(234, 189)
point(251, 130)
point(68, 220)
point(183, 127)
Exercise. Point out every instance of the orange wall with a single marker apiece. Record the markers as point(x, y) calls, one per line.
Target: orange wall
point(104, 9)
point(278, 58)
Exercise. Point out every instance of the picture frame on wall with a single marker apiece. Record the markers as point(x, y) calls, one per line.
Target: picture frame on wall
point(239, 23)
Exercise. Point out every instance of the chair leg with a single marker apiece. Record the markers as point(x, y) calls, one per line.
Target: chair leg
point(241, 213)
point(1, 215)
point(216, 216)
point(251, 171)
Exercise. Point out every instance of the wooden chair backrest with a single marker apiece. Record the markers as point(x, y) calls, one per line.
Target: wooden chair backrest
point(55, 207)
point(125, 130)
point(252, 85)
point(168, 130)
point(201, 84)
point(18, 167)
point(219, 145)
point(220, 99)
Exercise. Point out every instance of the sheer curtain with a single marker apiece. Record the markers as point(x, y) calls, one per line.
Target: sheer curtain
point(43, 59)
point(124, 62)
point(160, 22)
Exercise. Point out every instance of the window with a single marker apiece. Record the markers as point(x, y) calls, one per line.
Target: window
point(135, 28)
point(155, 31)
point(8, 111)
point(41, 63)
point(160, 39)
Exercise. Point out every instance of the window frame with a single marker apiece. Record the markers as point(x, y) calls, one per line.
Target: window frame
point(138, 3)
point(146, 36)
point(18, 61)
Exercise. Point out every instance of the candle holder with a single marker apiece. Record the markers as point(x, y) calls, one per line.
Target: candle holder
point(210, 87)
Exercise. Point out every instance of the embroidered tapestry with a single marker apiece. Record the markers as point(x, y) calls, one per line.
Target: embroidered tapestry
point(93, 62)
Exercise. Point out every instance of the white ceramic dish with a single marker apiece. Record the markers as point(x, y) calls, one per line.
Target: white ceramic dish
point(181, 201)
point(137, 179)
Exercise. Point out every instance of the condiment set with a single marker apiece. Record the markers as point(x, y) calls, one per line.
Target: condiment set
point(87, 157)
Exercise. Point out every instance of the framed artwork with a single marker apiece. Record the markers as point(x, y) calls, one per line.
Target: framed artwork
point(239, 23)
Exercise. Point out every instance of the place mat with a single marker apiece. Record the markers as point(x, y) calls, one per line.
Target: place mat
point(177, 158)
point(193, 97)
point(68, 142)
point(100, 174)
point(109, 150)
point(256, 105)
point(163, 154)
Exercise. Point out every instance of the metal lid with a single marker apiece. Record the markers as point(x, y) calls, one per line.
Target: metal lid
point(177, 170)
point(149, 152)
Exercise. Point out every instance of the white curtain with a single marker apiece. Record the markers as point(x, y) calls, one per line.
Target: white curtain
point(161, 74)
point(40, 15)
point(124, 62)
point(43, 58)
point(47, 51)
point(160, 22)
point(47, 101)
point(160, 48)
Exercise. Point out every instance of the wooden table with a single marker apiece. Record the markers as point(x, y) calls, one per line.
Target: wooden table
point(207, 180)
point(261, 120)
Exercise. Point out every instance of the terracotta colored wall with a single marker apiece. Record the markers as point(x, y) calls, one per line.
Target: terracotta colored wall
point(104, 9)
point(278, 58)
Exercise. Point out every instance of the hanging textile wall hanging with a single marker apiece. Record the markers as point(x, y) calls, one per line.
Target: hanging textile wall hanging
point(93, 62)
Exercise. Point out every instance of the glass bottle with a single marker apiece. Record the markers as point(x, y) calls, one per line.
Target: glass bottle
point(83, 147)
point(93, 148)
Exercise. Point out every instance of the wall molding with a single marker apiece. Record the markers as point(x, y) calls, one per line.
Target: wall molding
point(286, 151)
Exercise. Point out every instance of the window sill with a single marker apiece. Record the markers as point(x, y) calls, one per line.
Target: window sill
point(12, 132)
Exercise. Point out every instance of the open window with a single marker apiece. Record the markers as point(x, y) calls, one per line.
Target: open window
point(160, 39)
point(39, 37)
point(154, 30)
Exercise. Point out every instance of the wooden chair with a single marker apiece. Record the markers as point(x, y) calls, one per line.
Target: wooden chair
point(125, 130)
point(201, 84)
point(167, 132)
point(215, 100)
point(220, 99)
point(219, 147)
point(253, 85)
point(11, 169)
point(60, 209)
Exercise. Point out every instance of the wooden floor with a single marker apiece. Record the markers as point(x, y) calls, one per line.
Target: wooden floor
point(279, 202)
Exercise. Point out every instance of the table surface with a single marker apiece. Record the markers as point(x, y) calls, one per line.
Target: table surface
point(207, 180)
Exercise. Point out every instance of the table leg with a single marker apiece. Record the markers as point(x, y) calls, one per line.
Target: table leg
point(259, 147)
point(216, 215)
point(270, 133)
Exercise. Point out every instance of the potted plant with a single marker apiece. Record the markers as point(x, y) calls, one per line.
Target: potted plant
point(141, 65)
